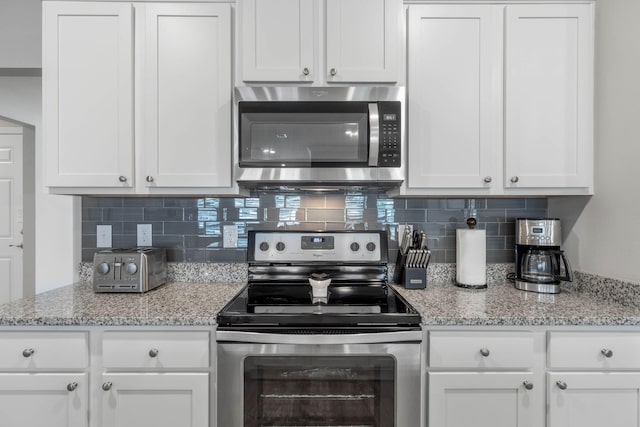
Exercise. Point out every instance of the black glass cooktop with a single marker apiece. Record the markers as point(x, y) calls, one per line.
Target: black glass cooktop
point(292, 305)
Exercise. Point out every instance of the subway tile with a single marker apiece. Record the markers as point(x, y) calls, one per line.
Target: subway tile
point(143, 202)
point(92, 214)
point(87, 254)
point(313, 201)
point(334, 201)
point(209, 228)
point(507, 228)
point(422, 204)
point(310, 226)
point(226, 256)
point(186, 227)
point(537, 203)
point(194, 255)
point(437, 256)
point(287, 214)
point(180, 202)
point(209, 203)
point(89, 227)
point(268, 201)
point(410, 215)
point(168, 241)
point(506, 204)
point(202, 242)
point(491, 215)
point(325, 215)
point(163, 214)
point(512, 214)
point(206, 215)
point(500, 256)
point(492, 228)
point(495, 242)
point(122, 214)
point(450, 256)
point(175, 255)
point(440, 215)
point(89, 241)
point(103, 202)
point(123, 241)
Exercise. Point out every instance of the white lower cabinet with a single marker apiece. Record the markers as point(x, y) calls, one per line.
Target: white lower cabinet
point(155, 400)
point(44, 400)
point(593, 379)
point(491, 399)
point(485, 379)
point(155, 379)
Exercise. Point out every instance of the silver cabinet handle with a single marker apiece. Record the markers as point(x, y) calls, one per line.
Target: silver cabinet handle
point(488, 179)
point(607, 352)
point(72, 386)
point(149, 178)
point(28, 352)
point(122, 178)
point(21, 246)
point(153, 352)
point(515, 179)
point(485, 352)
point(333, 72)
point(528, 385)
point(107, 386)
point(561, 385)
point(306, 71)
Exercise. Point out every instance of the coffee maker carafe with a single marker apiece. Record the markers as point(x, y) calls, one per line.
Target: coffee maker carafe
point(540, 264)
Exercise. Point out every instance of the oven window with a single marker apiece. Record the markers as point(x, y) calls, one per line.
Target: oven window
point(304, 134)
point(319, 391)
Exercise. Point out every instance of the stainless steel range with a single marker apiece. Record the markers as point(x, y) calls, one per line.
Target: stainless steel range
point(346, 354)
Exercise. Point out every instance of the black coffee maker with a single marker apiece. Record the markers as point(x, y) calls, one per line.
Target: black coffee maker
point(540, 264)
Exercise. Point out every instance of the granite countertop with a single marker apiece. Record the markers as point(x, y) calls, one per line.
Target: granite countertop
point(196, 304)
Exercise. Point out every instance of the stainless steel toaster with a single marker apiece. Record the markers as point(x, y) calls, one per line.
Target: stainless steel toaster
point(129, 269)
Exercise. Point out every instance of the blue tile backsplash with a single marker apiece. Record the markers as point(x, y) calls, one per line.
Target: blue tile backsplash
point(191, 227)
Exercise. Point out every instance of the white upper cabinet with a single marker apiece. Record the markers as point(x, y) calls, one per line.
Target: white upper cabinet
point(362, 40)
point(500, 99)
point(88, 94)
point(454, 58)
point(187, 88)
point(277, 40)
point(548, 96)
point(178, 91)
point(297, 41)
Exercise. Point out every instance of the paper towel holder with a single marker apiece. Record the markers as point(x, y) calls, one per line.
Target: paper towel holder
point(471, 223)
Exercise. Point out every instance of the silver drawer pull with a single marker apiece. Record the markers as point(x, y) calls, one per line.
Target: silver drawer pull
point(72, 386)
point(561, 385)
point(107, 386)
point(153, 352)
point(28, 352)
point(485, 352)
point(528, 385)
point(607, 352)
point(122, 178)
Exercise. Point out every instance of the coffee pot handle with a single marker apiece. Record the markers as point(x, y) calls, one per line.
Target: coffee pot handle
point(568, 276)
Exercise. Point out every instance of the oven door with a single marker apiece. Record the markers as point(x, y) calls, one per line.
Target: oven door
point(318, 380)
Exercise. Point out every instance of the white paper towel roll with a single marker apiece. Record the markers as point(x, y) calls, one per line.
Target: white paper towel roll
point(471, 258)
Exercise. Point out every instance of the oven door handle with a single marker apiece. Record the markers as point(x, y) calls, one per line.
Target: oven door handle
point(269, 338)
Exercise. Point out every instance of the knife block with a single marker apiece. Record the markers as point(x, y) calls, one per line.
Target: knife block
point(409, 277)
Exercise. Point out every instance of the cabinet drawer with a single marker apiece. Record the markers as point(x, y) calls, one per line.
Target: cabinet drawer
point(43, 350)
point(481, 350)
point(594, 350)
point(155, 350)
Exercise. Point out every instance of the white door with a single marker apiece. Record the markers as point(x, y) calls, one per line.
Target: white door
point(44, 400)
point(11, 212)
point(455, 103)
point(594, 399)
point(484, 399)
point(277, 40)
point(362, 40)
point(548, 95)
point(155, 400)
point(186, 107)
point(88, 94)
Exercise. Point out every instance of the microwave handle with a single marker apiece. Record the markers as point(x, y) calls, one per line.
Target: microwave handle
point(374, 134)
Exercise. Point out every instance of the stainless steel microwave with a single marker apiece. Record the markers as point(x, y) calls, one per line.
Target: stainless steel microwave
point(319, 136)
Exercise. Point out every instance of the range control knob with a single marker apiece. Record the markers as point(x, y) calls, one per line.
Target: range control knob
point(280, 246)
point(103, 268)
point(264, 246)
point(131, 268)
point(355, 246)
point(371, 246)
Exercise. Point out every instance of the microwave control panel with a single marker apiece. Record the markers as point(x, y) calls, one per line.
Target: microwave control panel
point(390, 151)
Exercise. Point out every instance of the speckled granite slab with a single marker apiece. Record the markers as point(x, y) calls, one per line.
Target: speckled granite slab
point(173, 304)
point(190, 272)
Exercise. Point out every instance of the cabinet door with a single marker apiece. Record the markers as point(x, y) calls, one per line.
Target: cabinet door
point(35, 400)
point(277, 40)
point(362, 40)
point(87, 94)
point(594, 399)
point(155, 400)
point(187, 95)
point(549, 95)
point(486, 399)
point(454, 113)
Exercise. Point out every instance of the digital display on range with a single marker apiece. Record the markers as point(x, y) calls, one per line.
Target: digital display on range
point(317, 242)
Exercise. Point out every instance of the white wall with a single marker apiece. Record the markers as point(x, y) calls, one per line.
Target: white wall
point(603, 232)
point(57, 250)
point(20, 34)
